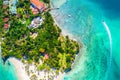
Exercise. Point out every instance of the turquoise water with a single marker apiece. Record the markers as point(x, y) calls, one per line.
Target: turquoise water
point(7, 71)
point(99, 59)
point(83, 19)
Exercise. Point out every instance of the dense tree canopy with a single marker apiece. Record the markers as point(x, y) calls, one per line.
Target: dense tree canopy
point(19, 43)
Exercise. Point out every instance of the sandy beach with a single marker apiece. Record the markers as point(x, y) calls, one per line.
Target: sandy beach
point(59, 77)
point(20, 69)
point(22, 73)
point(64, 32)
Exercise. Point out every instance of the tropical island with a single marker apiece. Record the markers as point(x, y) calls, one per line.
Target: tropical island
point(29, 33)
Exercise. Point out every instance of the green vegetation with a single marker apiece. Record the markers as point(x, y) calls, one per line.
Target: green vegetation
point(42, 67)
point(17, 42)
point(46, 1)
point(33, 77)
point(1, 18)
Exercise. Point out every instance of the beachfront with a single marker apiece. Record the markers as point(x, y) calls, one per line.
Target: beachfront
point(29, 72)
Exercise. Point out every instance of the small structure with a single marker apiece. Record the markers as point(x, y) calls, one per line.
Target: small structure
point(46, 56)
point(36, 22)
point(6, 26)
point(35, 11)
point(34, 35)
point(5, 2)
point(37, 6)
point(12, 4)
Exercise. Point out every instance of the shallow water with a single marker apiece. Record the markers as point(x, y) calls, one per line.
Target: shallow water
point(84, 19)
point(7, 70)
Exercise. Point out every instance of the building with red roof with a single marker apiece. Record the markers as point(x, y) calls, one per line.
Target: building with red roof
point(34, 10)
point(6, 25)
point(36, 4)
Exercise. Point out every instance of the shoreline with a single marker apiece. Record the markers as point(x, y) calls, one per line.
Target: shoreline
point(63, 31)
point(20, 69)
point(22, 73)
point(72, 37)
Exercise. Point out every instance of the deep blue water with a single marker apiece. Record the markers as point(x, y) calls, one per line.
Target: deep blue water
point(84, 19)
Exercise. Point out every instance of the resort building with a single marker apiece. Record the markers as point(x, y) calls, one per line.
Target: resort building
point(46, 56)
point(37, 6)
point(5, 2)
point(36, 22)
point(34, 35)
point(6, 19)
point(12, 5)
point(6, 25)
point(35, 11)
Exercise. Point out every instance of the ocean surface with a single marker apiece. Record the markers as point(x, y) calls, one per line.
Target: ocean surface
point(7, 70)
point(95, 23)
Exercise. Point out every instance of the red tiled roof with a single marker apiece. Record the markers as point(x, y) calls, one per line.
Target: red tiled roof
point(35, 11)
point(6, 25)
point(38, 4)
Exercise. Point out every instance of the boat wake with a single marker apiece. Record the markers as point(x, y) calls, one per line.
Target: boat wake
point(110, 39)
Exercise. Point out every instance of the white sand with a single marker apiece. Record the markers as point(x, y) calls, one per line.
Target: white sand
point(64, 32)
point(59, 3)
point(59, 77)
point(20, 69)
point(22, 74)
